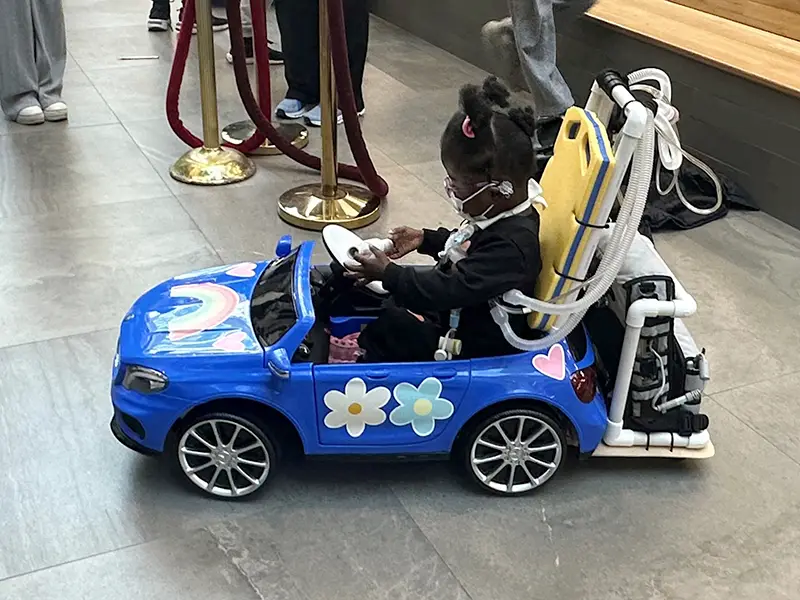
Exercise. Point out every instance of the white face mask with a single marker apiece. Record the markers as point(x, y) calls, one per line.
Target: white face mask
point(504, 187)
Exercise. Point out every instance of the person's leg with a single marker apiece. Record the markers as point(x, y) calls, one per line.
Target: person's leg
point(247, 19)
point(399, 336)
point(298, 24)
point(19, 83)
point(535, 34)
point(499, 42)
point(51, 55)
point(356, 15)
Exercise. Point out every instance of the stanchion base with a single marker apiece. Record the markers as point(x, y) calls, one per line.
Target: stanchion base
point(212, 166)
point(238, 132)
point(307, 208)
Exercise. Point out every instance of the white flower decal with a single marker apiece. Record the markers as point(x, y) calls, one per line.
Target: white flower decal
point(356, 408)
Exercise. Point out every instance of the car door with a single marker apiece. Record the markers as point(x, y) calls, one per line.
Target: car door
point(391, 406)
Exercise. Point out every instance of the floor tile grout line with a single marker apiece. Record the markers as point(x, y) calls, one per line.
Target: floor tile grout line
point(461, 584)
point(60, 210)
point(757, 432)
point(59, 337)
point(199, 229)
point(94, 87)
point(73, 560)
point(33, 132)
point(742, 216)
point(760, 381)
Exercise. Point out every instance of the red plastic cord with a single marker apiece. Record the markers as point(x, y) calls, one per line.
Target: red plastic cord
point(365, 170)
point(178, 70)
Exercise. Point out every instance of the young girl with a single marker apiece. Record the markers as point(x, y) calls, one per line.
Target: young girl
point(487, 151)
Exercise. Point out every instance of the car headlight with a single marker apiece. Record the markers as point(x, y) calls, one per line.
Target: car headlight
point(144, 380)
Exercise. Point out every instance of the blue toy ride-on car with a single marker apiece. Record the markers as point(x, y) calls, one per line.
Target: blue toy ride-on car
point(223, 369)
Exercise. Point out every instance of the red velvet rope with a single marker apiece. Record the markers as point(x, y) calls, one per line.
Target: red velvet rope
point(365, 171)
point(178, 70)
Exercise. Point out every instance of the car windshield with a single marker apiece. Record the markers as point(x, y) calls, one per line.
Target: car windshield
point(272, 307)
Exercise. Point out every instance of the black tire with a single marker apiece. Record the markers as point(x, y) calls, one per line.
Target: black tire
point(237, 474)
point(506, 457)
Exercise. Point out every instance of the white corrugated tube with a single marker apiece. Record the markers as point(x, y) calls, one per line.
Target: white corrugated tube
point(670, 151)
point(628, 219)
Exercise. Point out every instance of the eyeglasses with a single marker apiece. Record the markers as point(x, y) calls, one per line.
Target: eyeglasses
point(456, 192)
point(470, 190)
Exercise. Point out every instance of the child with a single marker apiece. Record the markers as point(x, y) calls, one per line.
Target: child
point(487, 151)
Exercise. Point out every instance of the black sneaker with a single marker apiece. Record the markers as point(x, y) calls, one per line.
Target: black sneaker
point(275, 56)
point(217, 23)
point(159, 19)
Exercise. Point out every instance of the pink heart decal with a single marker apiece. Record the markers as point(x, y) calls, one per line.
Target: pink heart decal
point(232, 341)
point(551, 364)
point(247, 269)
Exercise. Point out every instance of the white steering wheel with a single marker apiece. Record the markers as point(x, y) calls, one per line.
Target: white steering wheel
point(342, 245)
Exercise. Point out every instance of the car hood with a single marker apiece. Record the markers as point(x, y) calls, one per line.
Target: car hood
point(201, 313)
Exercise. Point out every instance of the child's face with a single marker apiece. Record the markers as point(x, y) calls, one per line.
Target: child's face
point(476, 193)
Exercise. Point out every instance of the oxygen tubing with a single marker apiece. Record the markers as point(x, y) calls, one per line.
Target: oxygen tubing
point(365, 171)
point(178, 70)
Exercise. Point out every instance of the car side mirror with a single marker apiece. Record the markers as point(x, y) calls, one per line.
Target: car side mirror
point(279, 363)
point(284, 246)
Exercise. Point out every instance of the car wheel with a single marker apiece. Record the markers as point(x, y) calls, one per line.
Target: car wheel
point(226, 456)
point(514, 452)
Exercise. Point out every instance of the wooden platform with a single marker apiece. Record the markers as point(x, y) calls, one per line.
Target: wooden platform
point(654, 452)
point(754, 54)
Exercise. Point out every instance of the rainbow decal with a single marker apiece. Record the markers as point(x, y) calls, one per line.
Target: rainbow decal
point(217, 303)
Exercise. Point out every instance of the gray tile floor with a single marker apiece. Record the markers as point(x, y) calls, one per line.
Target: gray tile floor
point(89, 218)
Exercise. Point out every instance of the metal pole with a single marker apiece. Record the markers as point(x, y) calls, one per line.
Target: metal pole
point(327, 87)
point(240, 131)
point(210, 164)
point(329, 202)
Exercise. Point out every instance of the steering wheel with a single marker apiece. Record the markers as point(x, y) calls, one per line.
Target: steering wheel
point(342, 245)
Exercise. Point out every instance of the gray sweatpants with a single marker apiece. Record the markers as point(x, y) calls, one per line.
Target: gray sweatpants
point(33, 54)
point(247, 18)
point(534, 23)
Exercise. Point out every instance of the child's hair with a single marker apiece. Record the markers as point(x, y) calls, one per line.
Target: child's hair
point(487, 135)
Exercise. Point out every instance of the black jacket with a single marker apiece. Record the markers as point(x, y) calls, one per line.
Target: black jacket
point(500, 258)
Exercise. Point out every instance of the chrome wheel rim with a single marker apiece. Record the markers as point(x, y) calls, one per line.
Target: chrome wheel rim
point(516, 454)
point(224, 458)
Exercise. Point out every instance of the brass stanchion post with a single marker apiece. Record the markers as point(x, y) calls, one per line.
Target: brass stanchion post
point(238, 132)
point(319, 204)
point(211, 164)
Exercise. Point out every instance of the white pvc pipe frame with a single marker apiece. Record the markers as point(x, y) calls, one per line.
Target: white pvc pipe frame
point(682, 306)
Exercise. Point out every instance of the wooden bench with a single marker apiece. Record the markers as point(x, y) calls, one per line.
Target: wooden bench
point(781, 17)
point(755, 54)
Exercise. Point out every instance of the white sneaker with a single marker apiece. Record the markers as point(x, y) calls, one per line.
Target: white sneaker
point(33, 115)
point(314, 116)
point(501, 46)
point(57, 111)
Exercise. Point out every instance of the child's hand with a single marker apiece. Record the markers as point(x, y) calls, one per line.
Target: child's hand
point(405, 240)
point(368, 266)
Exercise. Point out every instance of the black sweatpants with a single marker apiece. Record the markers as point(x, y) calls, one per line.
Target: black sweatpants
point(398, 336)
point(298, 21)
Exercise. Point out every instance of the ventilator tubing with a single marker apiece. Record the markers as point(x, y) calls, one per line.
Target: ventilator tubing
point(630, 215)
point(670, 151)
